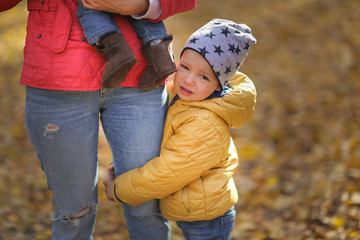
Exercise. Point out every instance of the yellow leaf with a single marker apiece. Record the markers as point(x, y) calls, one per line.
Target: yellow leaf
point(338, 221)
point(272, 181)
point(249, 151)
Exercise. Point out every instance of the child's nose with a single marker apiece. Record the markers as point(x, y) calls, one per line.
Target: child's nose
point(189, 79)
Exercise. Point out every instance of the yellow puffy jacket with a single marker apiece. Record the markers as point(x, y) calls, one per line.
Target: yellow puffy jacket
point(192, 177)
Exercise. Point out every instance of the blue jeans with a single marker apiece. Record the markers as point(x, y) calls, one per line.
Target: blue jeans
point(97, 24)
point(63, 127)
point(215, 229)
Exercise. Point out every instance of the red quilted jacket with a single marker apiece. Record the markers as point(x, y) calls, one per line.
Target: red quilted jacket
point(56, 54)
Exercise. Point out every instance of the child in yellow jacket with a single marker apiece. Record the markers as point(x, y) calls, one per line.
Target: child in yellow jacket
point(192, 176)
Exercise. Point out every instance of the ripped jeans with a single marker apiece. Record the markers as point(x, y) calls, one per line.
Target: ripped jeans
point(64, 127)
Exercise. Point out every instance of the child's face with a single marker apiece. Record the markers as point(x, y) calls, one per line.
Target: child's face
point(194, 79)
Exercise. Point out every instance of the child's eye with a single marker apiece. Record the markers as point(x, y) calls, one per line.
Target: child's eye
point(184, 67)
point(204, 77)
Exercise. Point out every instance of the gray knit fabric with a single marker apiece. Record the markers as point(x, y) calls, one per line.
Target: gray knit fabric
point(224, 44)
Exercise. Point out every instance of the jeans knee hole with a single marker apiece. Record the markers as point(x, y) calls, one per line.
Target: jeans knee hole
point(81, 213)
point(76, 216)
point(50, 129)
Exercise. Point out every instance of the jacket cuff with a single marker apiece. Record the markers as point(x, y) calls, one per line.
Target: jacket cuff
point(114, 194)
point(153, 12)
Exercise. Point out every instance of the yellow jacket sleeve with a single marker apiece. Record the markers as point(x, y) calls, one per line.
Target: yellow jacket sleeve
point(190, 152)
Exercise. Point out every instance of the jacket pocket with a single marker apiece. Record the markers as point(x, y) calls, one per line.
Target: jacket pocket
point(42, 5)
point(61, 30)
point(185, 199)
point(53, 21)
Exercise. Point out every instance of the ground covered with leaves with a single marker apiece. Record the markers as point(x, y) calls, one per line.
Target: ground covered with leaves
point(299, 171)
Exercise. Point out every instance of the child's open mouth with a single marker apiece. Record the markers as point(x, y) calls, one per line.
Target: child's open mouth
point(186, 91)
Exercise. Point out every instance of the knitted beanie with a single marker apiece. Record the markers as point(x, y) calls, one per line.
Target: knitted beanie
point(224, 44)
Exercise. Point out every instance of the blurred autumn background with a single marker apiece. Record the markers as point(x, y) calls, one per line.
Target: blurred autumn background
point(299, 172)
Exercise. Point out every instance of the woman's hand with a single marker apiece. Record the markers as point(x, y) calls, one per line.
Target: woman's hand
point(109, 182)
point(122, 7)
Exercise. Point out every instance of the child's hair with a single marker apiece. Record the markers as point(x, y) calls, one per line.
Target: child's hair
point(224, 44)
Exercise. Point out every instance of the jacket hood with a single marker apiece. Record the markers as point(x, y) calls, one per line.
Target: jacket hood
point(236, 107)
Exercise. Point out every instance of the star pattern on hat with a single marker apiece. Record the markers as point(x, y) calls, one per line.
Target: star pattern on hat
point(193, 40)
point(218, 50)
point(247, 45)
point(231, 48)
point(225, 31)
point(210, 35)
point(228, 70)
point(237, 50)
point(203, 51)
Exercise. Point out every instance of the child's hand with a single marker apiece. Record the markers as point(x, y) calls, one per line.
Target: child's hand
point(109, 182)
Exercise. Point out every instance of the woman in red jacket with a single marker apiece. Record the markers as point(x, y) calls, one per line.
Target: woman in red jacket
point(64, 100)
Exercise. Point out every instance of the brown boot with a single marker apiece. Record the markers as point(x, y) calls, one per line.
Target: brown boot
point(120, 59)
point(161, 64)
